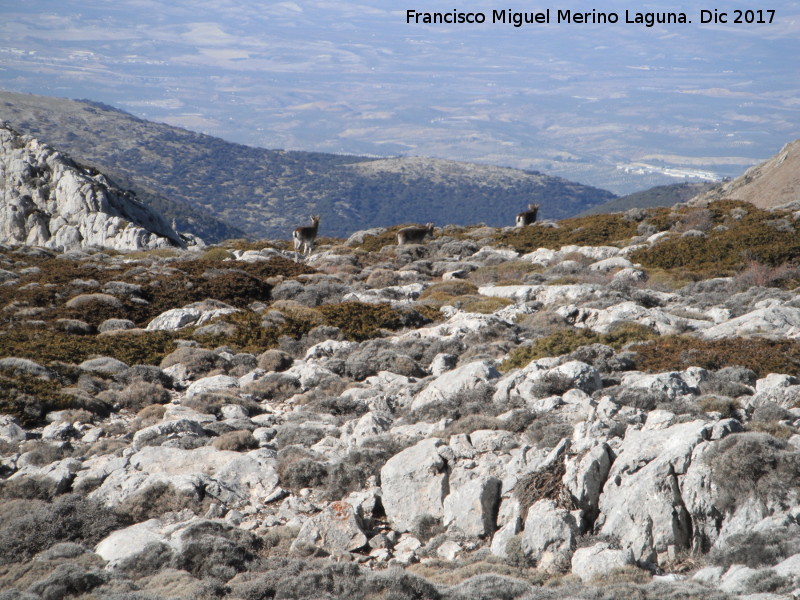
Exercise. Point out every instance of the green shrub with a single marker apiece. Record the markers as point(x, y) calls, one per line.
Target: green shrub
point(565, 341)
point(29, 398)
point(675, 353)
point(595, 230)
point(723, 251)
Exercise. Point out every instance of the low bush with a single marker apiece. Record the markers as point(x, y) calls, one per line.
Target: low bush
point(216, 550)
point(748, 234)
point(595, 230)
point(566, 341)
point(68, 519)
point(753, 465)
point(675, 353)
point(141, 394)
point(159, 498)
point(29, 398)
point(757, 549)
point(298, 468)
point(47, 346)
point(236, 441)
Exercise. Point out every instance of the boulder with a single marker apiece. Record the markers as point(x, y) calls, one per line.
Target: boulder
point(415, 483)
point(472, 507)
point(336, 529)
point(599, 559)
point(549, 536)
point(450, 383)
point(773, 321)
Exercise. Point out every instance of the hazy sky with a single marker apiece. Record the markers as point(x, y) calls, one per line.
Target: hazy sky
point(600, 103)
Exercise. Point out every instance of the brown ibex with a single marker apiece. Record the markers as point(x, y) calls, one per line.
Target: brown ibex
point(414, 235)
point(527, 217)
point(304, 236)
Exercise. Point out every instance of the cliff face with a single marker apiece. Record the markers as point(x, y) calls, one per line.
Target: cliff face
point(47, 200)
point(775, 182)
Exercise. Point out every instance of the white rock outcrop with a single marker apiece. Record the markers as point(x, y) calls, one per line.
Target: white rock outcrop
point(48, 200)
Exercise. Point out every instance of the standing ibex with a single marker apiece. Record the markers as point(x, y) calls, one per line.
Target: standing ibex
point(414, 235)
point(304, 236)
point(527, 217)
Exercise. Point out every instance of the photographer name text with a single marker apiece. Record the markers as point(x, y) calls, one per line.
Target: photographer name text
point(760, 16)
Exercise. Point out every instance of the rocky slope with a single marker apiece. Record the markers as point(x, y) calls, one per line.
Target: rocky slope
point(267, 193)
point(775, 182)
point(47, 200)
point(554, 412)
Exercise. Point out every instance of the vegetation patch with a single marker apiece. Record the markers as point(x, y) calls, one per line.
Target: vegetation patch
point(359, 321)
point(741, 233)
point(564, 341)
point(677, 352)
point(29, 398)
point(46, 346)
point(595, 230)
point(545, 484)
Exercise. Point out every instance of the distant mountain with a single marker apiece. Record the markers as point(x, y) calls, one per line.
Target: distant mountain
point(46, 199)
point(217, 189)
point(662, 195)
point(775, 182)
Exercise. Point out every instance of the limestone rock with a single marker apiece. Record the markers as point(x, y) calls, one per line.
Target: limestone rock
point(472, 507)
point(335, 529)
point(414, 483)
point(549, 536)
point(599, 559)
point(468, 377)
point(48, 200)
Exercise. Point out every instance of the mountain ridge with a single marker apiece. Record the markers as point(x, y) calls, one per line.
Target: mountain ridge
point(259, 193)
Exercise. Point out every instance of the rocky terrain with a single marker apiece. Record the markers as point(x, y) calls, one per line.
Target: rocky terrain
point(774, 182)
point(602, 407)
point(48, 200)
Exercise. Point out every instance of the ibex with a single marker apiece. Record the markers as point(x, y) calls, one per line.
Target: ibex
point(414, 235)
point(304, 236)
point(527, 217)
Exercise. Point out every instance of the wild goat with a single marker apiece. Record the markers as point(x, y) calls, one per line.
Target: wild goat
point(304, 236)
point(527, 217)
point(414, 235)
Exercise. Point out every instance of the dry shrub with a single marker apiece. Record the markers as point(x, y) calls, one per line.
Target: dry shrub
point(469, 423)
point(149, 415)
point(727, 407)
point(157, 499)
point(756, 274)
point(757, 548)
point(505, 271)
point(237, 441)
point(381, 278)
point(298, 468)
point(485, 305)
point(68, 519)
point(545, 484)
point(753, 465)
point(547, 430)
point(140, 394)
point(626, 574)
